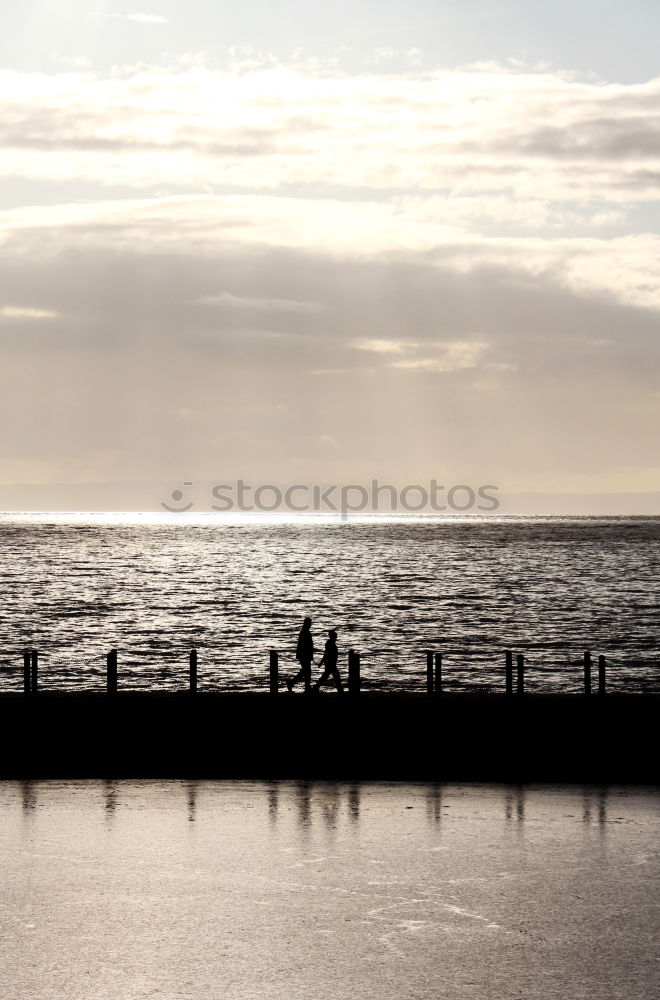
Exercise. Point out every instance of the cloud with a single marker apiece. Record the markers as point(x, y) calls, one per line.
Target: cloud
point(383, 346)
point(146, 18)
point(448, 355)
point(25, 313)
point(385, 55)
point(414, 57)
point(107, 271)
point(535, 138)
point(327, 371)
point(431, 268)
point(71, 62)
point(510, 371)
point(259, 304)
point(621, 268)
point(138, 16)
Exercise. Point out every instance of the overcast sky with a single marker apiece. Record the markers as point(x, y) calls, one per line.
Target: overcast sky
point(301, 242)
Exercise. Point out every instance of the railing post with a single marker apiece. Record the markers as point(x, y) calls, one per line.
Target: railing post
point(429, 672)
point(587, 672)
point(193, 671)
point(273, 674)
point(26, 671)
point(520, 662)
point(112, 672)
point(353, 672)
point(509, 671)
point(438, 673)
point(601, 675)
point(34, 671)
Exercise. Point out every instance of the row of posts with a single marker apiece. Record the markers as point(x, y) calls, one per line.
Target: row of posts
point(433, 672)
point(520, 673)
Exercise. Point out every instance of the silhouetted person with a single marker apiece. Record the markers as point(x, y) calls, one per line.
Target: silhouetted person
point(329, 661)
point(304, 656)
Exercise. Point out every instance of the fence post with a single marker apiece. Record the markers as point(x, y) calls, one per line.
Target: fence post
point(438, 673)
point(429, 672)
point(509, 671)
point(26, 671)
point(520, 662)
point(587, 672)
point(34, 671)
point(353, 672)
point(112, 672)
point(193, 671)
point(601, 675)
point(273, 674)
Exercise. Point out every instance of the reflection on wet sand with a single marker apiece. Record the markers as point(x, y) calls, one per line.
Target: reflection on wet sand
point(594, 803)
point(192, 789)
point(330, 796)
point(272, 794)
point(325, 803)
point(304, 803)
point(434, 803)
point(514, 800)
point(111, 794)
point(354, 802)
point(28, 797)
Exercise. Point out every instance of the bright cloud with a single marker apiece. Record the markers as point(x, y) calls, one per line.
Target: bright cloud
point(543, 139)
point(137, 16)
point(23, 312)
point(261, 304)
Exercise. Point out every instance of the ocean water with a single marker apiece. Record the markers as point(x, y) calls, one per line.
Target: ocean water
point(290, 891)
point(153, 586)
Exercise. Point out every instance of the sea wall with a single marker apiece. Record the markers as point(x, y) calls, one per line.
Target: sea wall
point(573, 738)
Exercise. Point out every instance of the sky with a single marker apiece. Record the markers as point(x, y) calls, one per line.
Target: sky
point(294, 242)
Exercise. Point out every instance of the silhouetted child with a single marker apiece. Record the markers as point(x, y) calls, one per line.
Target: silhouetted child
point(304, 655)
point(329, 660)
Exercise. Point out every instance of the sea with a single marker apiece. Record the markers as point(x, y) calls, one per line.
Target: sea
point(153, 586)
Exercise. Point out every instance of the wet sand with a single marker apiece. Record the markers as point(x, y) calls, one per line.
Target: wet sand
point(210, 889)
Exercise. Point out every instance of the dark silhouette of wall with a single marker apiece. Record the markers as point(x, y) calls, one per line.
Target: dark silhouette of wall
point(454, 737)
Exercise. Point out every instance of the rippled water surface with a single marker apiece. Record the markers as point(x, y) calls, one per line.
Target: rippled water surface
point(76, 586)
point(291, 891)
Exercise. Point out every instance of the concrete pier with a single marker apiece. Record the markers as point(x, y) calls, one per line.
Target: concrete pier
point(464, 737)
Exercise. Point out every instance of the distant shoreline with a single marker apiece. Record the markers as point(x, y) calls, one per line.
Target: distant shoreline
point(156, 517)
